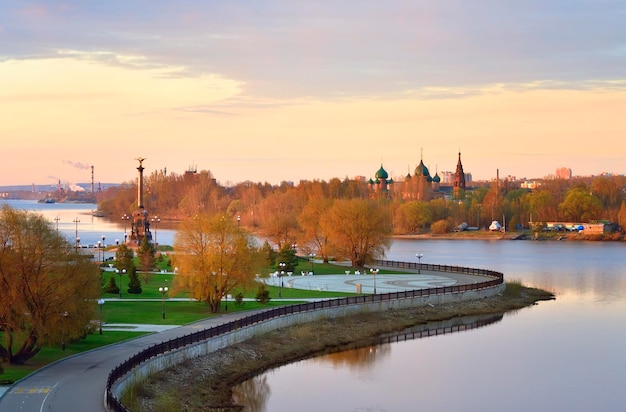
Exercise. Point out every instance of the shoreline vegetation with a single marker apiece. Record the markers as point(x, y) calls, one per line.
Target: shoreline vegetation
point(206, 383)
point(525, 235)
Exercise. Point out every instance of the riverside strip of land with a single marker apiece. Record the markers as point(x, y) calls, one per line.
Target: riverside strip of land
point(205, 383)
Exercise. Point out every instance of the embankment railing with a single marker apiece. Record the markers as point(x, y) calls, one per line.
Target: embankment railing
point(493, 279)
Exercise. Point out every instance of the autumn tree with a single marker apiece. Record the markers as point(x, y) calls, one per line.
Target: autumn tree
point(279, 218)
point(359, 229)
point(146, 253)
point(213, 256)
point(48, 290)
point(580, 205)
point(414, 216)
point(314, 239)
point(124, 258)
point(541, 206)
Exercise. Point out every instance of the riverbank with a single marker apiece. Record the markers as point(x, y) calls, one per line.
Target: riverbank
point(526, 235)
point(208, 380)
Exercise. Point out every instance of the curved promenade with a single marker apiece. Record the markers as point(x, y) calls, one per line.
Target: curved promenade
point(78, 383)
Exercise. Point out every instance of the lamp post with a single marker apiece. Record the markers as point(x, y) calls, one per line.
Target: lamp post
point(76, 222)
point(238, 220)
point(163, 291)
point(125, 219)
point(99, 246)
point(100, 303)
point(156, 220)
point(419, 264)
point(311, 256)
point(374, 272)
point(282, 266)
point(120, 273)
point(56, 219)
point(64, 315)
point(103, 237)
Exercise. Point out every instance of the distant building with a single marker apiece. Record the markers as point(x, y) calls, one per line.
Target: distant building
point(530, 185)
point(563, 173)
point(417, 186)
point(459, 180)
point(380, 185)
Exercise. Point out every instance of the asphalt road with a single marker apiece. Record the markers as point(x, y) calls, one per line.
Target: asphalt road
point(77, 384)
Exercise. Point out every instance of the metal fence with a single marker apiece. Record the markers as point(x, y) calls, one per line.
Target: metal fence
point(494, 279)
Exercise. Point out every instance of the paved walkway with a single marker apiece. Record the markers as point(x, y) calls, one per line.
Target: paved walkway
point(368, 282)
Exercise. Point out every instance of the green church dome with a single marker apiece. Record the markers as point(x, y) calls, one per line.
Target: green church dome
point(381, 173)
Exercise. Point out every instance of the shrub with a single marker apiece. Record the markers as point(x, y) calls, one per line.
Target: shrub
point(239, 299)
point(262, 294)
point(134, 285)
point(440, 227)
point(112, 287)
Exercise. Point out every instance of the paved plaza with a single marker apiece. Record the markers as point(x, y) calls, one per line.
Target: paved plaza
point(350, 283)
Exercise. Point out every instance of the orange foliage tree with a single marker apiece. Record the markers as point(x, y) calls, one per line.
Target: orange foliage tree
point(48, 289)
point(213, 256)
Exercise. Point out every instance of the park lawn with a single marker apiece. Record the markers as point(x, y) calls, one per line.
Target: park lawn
point(50, 354)
point(150, 312)
point(177, 312)
point(150, 289)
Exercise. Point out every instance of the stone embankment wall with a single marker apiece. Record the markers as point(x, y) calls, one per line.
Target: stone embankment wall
point(177, 356)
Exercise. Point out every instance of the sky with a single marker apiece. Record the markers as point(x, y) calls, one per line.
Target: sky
point(276, 90)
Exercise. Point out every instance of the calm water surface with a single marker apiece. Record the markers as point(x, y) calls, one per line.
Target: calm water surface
point(563, 355)
point(89, 229)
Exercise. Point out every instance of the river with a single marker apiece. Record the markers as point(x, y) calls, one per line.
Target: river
point(562, 355)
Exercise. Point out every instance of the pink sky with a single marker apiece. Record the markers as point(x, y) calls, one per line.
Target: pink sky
point(281, 91)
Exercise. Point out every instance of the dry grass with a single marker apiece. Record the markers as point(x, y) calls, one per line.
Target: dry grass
point(204, 384)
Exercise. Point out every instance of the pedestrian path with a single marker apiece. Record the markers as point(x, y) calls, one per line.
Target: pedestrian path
point(128, 327)
point(363, 283)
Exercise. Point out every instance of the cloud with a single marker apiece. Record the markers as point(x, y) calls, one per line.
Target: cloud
point(335, 50)
point(77, 165)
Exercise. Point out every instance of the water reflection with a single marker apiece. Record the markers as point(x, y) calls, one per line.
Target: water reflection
point(253, 392)
point(565, 354)
point(361, 357)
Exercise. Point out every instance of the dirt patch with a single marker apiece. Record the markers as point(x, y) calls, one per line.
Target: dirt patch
point(205, 383)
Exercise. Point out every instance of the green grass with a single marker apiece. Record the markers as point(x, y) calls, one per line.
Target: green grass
point(51, 354)
point(177, 313)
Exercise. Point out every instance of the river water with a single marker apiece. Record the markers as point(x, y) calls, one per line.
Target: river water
point(562, 355)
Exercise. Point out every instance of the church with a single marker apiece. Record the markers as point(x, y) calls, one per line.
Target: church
point(417, 186)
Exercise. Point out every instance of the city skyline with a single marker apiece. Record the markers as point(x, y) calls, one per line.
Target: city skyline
point(282, 91)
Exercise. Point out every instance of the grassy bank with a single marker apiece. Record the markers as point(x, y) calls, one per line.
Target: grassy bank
point(205, 383)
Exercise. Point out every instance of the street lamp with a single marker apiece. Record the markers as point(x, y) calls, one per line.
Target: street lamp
point(100, 303)
point(419, 264)
point(374, 272)
point(56, 219)
point(64, 315)
point(238, 220)
point(125, 219)
point(103, 237)
point(120, 273)
point(163, 291)
point(311, 256)
point(76, 221)
point(156, 221)
point(99, 245)
point(282, 266)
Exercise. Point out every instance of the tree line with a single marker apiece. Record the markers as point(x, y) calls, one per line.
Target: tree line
point(302, 213)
